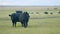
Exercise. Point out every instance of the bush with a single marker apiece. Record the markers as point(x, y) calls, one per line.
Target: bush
point(55, 8)
point(32, 13)
point(45, 12)
point(59, 12)
point(37, 12)
point(51, 13)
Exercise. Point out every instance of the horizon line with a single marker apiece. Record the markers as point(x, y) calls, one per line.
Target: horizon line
point(17, 6)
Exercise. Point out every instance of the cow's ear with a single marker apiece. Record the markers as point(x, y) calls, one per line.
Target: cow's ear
point(9, 15)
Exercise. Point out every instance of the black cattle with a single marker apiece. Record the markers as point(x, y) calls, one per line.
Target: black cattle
point(20, 17)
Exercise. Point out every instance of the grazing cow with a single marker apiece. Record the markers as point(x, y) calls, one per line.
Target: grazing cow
point(20, 17)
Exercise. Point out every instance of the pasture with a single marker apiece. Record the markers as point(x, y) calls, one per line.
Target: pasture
point(38, 24)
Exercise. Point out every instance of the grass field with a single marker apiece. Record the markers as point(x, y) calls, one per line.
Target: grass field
point(46, 24)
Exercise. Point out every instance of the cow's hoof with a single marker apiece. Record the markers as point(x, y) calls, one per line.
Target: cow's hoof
point(25, 26)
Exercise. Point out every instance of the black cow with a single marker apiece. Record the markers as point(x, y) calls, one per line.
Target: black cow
point(20, 17)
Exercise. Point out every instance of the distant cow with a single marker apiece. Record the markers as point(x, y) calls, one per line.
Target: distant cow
point(20, 17)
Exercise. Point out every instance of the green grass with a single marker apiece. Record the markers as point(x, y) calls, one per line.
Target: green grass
point(36, 26)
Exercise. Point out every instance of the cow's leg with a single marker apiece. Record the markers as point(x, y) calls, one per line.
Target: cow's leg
point(22, 24)
point(15, 24)
point(25, 24)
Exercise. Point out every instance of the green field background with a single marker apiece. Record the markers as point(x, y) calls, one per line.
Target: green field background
point(38, 23)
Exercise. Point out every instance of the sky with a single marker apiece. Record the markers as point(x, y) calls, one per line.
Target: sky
point(29, 2)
